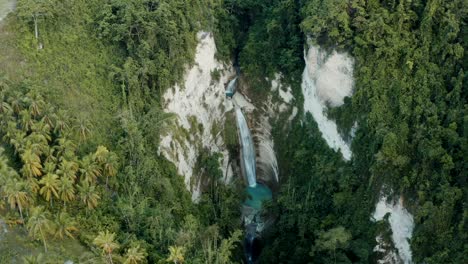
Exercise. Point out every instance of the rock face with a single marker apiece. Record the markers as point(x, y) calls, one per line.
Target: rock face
point(6, 6)
point(327, 79)
point(332, 73)
point(200, 105)
point(402, 224)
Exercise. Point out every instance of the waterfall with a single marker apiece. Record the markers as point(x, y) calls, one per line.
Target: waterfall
point(248, 152)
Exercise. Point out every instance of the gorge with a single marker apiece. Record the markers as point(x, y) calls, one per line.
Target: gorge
point(234, 131)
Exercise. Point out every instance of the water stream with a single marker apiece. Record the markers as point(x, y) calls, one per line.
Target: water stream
point(248, 151)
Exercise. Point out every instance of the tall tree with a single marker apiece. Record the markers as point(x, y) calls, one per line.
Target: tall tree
point(65, 225)
point(50, 184)
point(89, 169)
point(106, 241)
point(66, 190)
point(17, 195)
point(88, 194)
point(135, 255)
point(176, 254)
point(39, 224)
point(32, 166)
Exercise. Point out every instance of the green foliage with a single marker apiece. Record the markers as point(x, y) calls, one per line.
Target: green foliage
point(321, 202)
point(409, 103)
point(265, 38)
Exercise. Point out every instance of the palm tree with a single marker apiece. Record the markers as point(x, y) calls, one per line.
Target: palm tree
point(66, 190)
point(50, 184)
point(65, 148)
point(61, 125)
point(42, 129)
point(65, 226)
point(16, 137)
point(88, 194)
point(33, 185)
point(101, 154)
point(31, 259)
point(68, 169)
point(37, 143)
point(48, 116)
point(50, 156)
point(36, 104)
point(83, 127)
point(110, 166)
point(176, 254)
point(89, 169)
point(108, 160)
point(16, 102)
point(17, 196)
point(5, 111)
point(39, 225)
point(32, 164)
point(105, 241)
point(135, 255)
point(27, 121)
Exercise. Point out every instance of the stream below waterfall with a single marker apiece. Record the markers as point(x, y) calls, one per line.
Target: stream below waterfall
point(257, 193)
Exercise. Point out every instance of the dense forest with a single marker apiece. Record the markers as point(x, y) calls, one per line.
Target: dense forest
point(82, 114)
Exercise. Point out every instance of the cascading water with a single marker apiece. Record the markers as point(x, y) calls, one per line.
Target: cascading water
point(248, 152)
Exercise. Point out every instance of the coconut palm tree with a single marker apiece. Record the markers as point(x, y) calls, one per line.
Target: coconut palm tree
point(66, 190)
point(17, 195)
point(27, 121)
point(36, 104)
point(68, 169)
point(105, 241)
point(33, 185)
point(31, 164)
point(176, 254)
point(88, 194)
point(100, 155)
point(5, 109)
point(61, 125)
point(16, 102)
point(89, 169)
point(31, 259)
point(135, 255)
point(50, 156)
point(50, 183)
point(42, 129)
point(48, 116)
point(65, 226)
point(65, 148)
point(110, 166)
point(37, 143)
point(83, 127)
point(39, 225)
point(16, 137)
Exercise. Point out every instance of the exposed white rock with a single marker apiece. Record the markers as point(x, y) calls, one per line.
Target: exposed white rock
point(389, 254)
point(401, 223)
point(6, 6)
point(201, 99)
point(332, 74)
point(286, 95)
point(327, 78)
point(267, 163)
point(243, 102)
